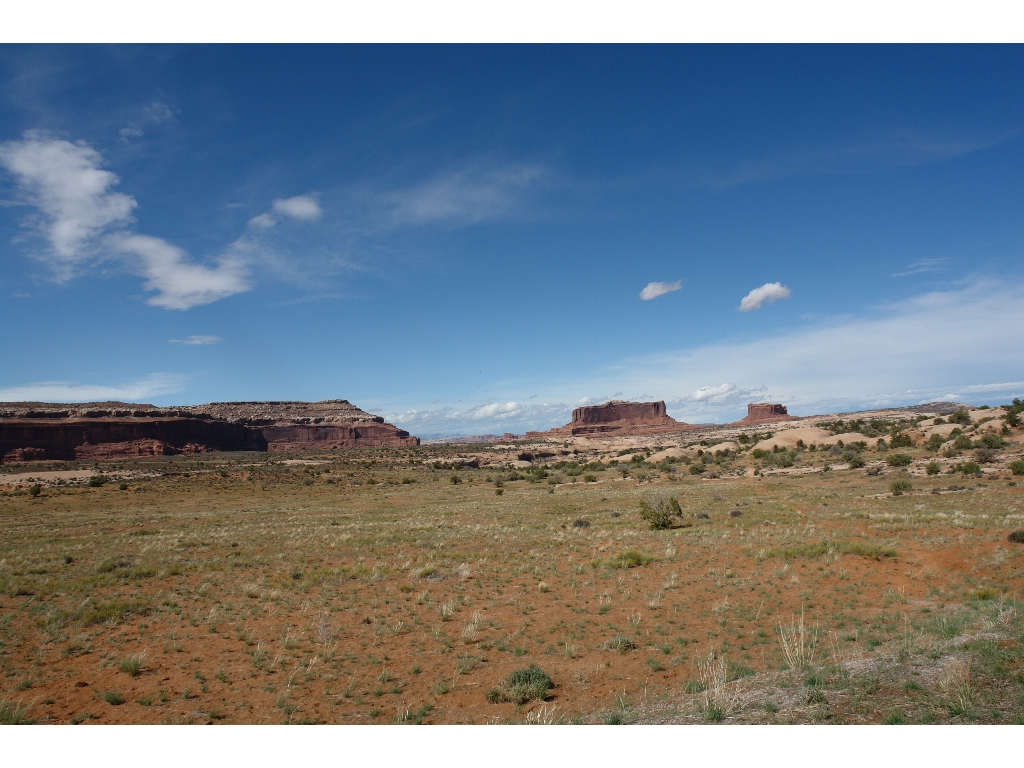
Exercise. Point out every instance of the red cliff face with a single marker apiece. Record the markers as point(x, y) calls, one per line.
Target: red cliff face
point(617, 418)
point(35, 431)
point(765, 413)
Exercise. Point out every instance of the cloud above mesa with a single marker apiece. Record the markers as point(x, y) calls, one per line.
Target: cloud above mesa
point(83, 220)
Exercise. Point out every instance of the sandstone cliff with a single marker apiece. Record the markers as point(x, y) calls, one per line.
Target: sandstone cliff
point(34, 431)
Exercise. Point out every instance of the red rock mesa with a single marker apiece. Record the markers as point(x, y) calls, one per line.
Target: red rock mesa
point(617, 417)
point(765, 413)
point(35, 431)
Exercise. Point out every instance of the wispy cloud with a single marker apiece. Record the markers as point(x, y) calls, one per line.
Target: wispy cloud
point(922, 265)
point(654, 290)
point(770, 292)
point(464, 197)
point(857, 156)
point(154, 385)
point(897, 354)
point(152, 114)
point(198, 340)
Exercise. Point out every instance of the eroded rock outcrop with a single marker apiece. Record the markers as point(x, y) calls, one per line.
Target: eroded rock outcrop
point(35, 431)
point(617, 417)
point(766, 413)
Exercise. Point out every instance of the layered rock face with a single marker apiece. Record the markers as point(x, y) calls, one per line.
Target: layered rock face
point(617, 417)
point(34, 431)
point(765, 413)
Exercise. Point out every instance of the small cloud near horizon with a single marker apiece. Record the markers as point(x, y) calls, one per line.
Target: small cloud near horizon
point(654, 290)
point(770, 292)
point(197, 340)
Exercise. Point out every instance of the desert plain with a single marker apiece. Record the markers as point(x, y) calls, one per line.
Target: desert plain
point(805, 573)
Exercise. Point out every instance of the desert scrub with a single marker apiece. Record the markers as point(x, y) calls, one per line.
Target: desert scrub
point(132, 665)
point(900, 486)
point(898, 460)
point(628, 559)
point(620, 644)
point(522, 686)
point(1017, 467)
point(658, 511)
point(862, 548)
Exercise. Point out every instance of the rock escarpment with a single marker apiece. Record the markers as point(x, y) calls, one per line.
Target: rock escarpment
point(766, 413)
point(615, 418)
point(35, 431)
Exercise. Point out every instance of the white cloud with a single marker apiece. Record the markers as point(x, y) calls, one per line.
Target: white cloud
point(485, 418)
point(179, 284)
point(654, 290)
point(83, 219)
point(198, 340)
point(301, 207)
point(73, 194)
point(154, 385)
point(898, 354)
point(770, 292)
point(131, 132)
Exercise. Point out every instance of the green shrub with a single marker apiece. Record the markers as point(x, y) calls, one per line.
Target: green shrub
point(113, 698)
point(992, 440)
point(963, 443)
point(899, 487)
point(522, 686)
point(696, 468)
point(123, 487)
point(96, 481)
point(900, 440)
point(1017, 537)
point(1017, 467)
point(934, 442)
point(970, 468)
point(960, 416)
point(34, 490)
point(590, 478)
point(898, 460)
point(759, 453)
point(933, 468)
point(658, 511)
point(13, 714)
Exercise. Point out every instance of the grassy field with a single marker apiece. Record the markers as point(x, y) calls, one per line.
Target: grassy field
point(388, 585)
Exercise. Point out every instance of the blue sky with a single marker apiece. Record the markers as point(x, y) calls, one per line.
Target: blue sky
point(477, 239)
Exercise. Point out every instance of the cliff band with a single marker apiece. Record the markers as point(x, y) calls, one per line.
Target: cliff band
point(617, 417)
point(35, 431)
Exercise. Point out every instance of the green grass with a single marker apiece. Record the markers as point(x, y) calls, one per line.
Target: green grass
point(13, 714)
point(628, 559)
point(113, 698)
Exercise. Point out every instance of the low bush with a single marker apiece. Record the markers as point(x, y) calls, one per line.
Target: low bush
point(933, 468)
point(96, 481)
point(696, 469)
point(934, 442)
point(522, 686)
point(34, 490)
point(1017, 537)
point(899, 487)
point(628, 559)
point(970, 468)
point(960, 416)
point(658, 511)
point(898, 460)
point(1017, 467)
point(963, 443)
